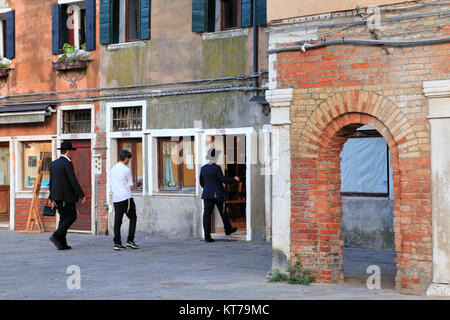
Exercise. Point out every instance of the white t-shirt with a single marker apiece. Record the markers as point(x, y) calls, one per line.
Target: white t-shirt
point(121, 181)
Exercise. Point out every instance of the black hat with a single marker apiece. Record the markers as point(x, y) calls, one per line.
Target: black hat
point(66, 145)
point(212, 154)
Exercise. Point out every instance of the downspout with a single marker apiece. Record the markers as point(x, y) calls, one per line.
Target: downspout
point(255, 49)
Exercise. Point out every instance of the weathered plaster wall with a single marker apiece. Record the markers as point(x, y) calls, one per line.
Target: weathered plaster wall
point(175, 53)
point(33, 61)
point(215, 110)
point(368, 222)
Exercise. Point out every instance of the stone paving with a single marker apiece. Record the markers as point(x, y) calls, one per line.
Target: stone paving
point(32, 268)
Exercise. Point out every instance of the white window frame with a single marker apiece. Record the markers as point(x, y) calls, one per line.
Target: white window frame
point(21, 192)
point(77, 19)
point(3, 59)
point(77, 136)
point(111, 144)
point(12, 181)
point(153, 135)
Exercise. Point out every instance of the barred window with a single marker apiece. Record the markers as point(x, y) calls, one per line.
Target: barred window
point(77, 121)
point(127, 119)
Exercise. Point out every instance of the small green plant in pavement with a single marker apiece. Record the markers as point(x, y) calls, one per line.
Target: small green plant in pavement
point(297, 274)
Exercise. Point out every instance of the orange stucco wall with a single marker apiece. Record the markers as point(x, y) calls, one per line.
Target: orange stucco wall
point(285, 9)
point(33, 62)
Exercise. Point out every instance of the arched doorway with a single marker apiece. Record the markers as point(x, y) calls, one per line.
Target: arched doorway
point(367, 223)
point(316, 201)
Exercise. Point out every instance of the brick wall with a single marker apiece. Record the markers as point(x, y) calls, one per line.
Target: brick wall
point(338, 89)
point(22, 208)
point(102, 211)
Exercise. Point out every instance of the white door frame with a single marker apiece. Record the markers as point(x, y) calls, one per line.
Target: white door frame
point(11, 182)
point(248, 132)
point(81, 136)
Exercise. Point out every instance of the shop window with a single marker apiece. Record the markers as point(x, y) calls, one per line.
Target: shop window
point(135, 164)
point(176, 164)
point(77, 121)
point(32, 153)
point(127, 119)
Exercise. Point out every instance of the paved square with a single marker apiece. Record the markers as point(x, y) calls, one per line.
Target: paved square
point(32, 268)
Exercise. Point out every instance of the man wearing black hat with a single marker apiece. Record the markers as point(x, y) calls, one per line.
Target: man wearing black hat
point(212, 180)
point(65, 191)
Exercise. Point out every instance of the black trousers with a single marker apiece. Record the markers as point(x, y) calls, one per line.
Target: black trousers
point(67, 216)
point(120, 208)
point(208, 205)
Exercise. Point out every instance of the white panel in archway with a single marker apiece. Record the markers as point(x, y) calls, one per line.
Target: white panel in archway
point(4, 4)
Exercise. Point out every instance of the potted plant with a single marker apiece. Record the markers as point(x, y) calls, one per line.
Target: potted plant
point(72, 58)
point(4, 69)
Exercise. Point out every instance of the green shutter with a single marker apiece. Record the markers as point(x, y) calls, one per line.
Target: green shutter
point(144, 33)
point(199, 15)
point(261, 12)
point(246, 13)
point(105, 21)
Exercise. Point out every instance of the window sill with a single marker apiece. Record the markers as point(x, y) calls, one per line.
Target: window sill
point(28, 194)
point(225, 34)
point(126, 45)
point(172, 194)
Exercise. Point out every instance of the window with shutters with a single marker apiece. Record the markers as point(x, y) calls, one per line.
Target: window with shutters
point(73, 22)
point(2, 39)
point(218, 15)
point(127, 119)
point(124, 21)
point(7, 35)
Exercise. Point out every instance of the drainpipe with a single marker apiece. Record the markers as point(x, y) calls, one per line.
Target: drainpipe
point(255, 48)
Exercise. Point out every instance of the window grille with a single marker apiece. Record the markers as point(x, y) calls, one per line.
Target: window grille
point(77, 121)
point(127, 119)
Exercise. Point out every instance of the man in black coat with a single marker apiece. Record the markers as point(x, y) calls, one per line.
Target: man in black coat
point(65, 191)
point(212, 180)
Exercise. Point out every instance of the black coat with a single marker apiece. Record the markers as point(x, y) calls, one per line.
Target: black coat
point(212, 180)
point(64, 185)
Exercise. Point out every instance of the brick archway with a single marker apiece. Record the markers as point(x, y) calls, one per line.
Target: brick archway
point(316, 201)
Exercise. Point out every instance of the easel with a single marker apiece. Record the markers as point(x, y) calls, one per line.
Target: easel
point(34, 218)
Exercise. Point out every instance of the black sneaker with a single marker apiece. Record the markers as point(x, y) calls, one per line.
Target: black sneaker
point(233, 230)
point(131, 244)
point(67, 247)
point(209, 240)
point(119, 247)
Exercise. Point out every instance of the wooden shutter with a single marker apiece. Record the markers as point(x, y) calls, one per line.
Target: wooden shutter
point(199, 15)
point(105, 21)
point(55, 28)
point(261, 12)
point(90, 24)
point(60, 32)
point(10, 35)
point(246, 13)
point(145, 7)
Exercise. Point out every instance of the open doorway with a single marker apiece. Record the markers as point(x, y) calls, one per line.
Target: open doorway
point(367, 207)
point(4, 184)
point(233, 162)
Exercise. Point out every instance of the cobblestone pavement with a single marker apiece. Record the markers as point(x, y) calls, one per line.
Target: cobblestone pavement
point(31, 268)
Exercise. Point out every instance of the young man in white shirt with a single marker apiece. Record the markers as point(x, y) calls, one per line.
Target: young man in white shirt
point(121, 183)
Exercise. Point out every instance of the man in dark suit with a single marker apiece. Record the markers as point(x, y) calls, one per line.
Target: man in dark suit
point(212, 180)
point(65, 191)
